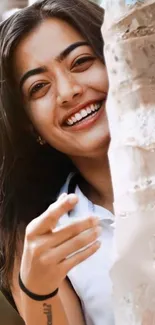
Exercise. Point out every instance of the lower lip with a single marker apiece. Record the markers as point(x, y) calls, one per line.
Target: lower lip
point(89, 121)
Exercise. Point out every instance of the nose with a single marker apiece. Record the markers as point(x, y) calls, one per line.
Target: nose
point(68, 88)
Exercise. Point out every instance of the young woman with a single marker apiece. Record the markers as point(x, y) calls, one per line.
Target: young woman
point(53, 124)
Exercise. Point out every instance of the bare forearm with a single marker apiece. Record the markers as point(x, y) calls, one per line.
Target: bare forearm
point(50, 312)
point(52, 254)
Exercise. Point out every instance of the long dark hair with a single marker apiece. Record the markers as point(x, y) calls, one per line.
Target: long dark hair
point(31, 175)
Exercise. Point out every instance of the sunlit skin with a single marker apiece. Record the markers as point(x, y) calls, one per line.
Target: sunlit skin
point(69, 77)
point(52, 95)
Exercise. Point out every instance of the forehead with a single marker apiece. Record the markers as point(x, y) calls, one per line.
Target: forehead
point(45, 42)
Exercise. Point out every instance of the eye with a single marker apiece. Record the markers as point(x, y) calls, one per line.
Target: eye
point(38, 88)
point(83, 63)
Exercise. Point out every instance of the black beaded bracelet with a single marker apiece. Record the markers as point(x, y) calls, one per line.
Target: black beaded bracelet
point(34, 296)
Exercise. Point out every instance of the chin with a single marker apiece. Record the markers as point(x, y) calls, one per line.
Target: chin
point(97, 146)
point(99, 139)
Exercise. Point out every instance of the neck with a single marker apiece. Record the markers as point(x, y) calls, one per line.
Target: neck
point(96, 172)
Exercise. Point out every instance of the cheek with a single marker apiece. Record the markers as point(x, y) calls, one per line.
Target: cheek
point(41, 111)
point(100, 78)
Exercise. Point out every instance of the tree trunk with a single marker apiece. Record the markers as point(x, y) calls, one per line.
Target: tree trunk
point(7, 7)
point(129, 35)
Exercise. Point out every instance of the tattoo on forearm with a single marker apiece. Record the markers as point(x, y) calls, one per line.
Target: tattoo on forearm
point(48, 312)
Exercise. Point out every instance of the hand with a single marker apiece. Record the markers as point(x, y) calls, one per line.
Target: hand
point(48, 254)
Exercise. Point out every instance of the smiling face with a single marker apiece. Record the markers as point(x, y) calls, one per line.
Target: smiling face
point(64, 88)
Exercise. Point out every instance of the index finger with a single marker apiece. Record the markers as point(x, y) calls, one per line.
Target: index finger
point(48, 220)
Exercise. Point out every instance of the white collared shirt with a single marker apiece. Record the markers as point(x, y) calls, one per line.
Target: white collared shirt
point(91, 279)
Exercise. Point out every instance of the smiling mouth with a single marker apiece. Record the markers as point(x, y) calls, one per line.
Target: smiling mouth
point(83, 114)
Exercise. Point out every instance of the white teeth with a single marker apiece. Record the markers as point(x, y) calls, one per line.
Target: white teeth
point(69, 122)
point(78, 116)
point(92, 107)
point(89, 110)
point(83, 113)
point(74, 119)
point(96, 107)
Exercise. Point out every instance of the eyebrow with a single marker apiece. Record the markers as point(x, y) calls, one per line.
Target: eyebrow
point(60, 58)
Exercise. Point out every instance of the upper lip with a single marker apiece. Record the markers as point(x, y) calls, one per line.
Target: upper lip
point(78, 108)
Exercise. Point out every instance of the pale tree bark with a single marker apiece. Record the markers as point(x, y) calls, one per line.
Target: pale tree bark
point(8, 7)
point(9, 4)
point(30, 2)
point(129, 35)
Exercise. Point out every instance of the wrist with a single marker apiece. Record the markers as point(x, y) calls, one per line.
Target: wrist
point(33, 295)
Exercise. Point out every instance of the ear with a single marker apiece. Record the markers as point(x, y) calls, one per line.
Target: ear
point(35, 134)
